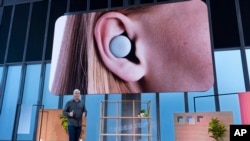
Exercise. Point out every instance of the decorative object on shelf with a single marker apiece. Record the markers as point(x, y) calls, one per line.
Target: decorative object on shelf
point(143, 113)
point(64, 122)
point(217, 129)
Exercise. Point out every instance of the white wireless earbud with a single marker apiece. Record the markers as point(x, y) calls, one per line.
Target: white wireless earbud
point(120, 46)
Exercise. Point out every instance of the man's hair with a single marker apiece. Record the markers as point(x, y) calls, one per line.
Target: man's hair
point(76, 90)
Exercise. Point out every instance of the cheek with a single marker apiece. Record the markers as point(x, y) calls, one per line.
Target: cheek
point(182, 40)
point(179, 49)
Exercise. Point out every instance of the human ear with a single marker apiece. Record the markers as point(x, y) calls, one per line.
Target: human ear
point(109, 26)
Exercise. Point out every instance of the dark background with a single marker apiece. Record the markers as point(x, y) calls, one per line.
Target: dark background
point(27, 26)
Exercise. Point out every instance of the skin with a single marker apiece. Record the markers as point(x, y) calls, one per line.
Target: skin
point(76, 95)
point(177, 52)
point(172, 44)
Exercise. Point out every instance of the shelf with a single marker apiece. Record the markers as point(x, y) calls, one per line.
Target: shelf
point(119, 121)
point(125, 135)
point(126, 117)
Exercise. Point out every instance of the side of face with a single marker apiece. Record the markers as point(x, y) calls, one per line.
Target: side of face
point(172, 44)
point(177, 47)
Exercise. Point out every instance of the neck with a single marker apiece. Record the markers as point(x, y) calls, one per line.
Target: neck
point(76, 99)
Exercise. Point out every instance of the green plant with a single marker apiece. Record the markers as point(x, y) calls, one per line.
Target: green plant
point(143, 113)
point(64, 122)
point(217, 129)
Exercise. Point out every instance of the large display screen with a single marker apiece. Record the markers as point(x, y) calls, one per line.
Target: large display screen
point(157, 48)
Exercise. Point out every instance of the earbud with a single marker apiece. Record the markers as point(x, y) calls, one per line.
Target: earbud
point(120, 46)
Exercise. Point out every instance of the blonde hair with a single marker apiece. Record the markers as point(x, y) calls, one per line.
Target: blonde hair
point(80, 65)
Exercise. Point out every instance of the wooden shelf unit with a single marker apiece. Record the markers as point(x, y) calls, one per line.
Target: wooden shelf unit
point(116, 124)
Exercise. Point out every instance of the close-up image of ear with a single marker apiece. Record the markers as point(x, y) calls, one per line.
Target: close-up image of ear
point(114, 39)
point(133, 50)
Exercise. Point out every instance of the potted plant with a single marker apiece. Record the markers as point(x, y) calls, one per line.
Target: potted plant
point(64, 122)
point(143, 113)
point(217, 129)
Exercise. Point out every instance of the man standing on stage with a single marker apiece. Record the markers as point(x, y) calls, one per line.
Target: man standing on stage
point(74, 110)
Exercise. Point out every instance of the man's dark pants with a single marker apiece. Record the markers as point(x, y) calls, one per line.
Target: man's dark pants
point(74, 133)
